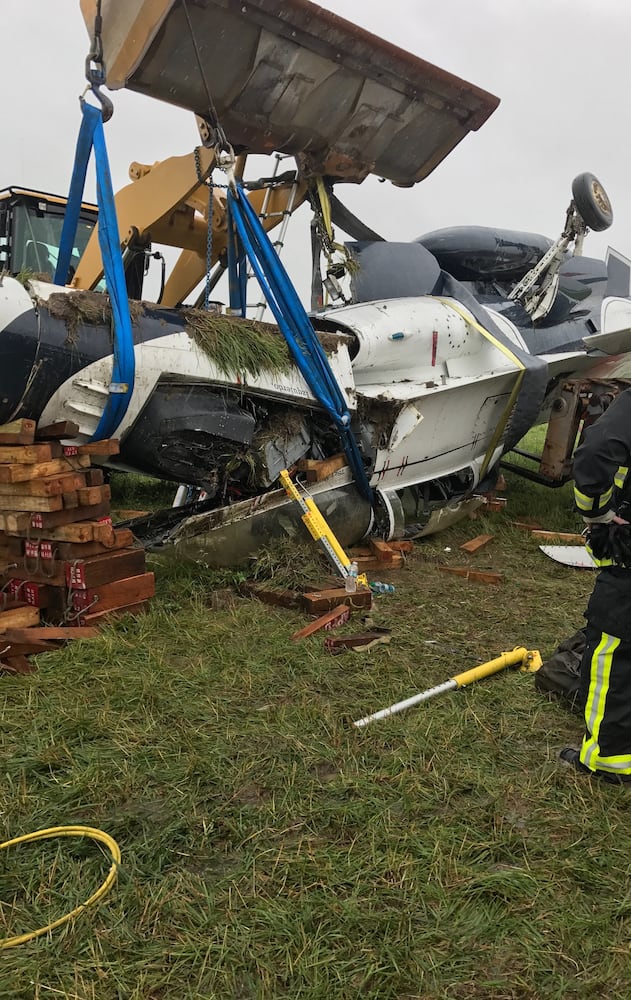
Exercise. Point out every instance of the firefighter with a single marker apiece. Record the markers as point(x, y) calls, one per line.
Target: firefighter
point(602, 493)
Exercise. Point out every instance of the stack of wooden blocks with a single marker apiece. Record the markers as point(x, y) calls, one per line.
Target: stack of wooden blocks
point(62, 561)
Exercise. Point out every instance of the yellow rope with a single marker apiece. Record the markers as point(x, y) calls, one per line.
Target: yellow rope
point(66, 831)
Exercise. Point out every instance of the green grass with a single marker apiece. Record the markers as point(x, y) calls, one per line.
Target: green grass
point(270, 850)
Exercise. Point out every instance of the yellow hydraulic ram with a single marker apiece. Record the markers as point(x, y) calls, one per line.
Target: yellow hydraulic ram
point(528, 660)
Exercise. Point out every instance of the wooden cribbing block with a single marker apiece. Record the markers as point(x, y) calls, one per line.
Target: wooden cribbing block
point(48, 486)
point(119, 594)
point(111, 446)
point(47, 633)
point(559, 536)
point(473, 574)
point(28, 454)
point(383, 551)
point(82, 531)
point(55, 432)
point(336, 616)
point(319, 601)
point(34, 594)
point(18, 472)
point(94, 495)
point(476, 543)
point(17, 432)
point(28, 502)
point(317, 470)
point(82, 574)
point(18, 616)
point(44, 522)
point(47, 548)
point(94, 477)
point(365, 563)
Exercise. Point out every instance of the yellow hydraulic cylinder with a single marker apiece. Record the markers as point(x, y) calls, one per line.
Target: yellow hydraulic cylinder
point(528, 660)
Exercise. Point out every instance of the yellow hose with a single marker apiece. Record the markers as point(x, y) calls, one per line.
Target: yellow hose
point(66, 831)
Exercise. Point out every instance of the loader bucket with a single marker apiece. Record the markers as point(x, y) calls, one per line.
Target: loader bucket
point(287, 76)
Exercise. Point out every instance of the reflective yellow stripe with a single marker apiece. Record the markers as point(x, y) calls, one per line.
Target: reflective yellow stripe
point(506, 351)
point(620, 476)
point(600, 673)
point(592, 504)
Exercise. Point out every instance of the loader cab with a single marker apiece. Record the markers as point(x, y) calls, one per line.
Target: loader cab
point(30, 232)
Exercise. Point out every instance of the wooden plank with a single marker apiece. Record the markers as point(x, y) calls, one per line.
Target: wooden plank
point(367, 563)
point(45, 633)
point(324, 600)
point(336, 616)
point(559, 536)
point(402, 546)
point(20, 431)
point(20, 472)
point(476, 543)
point(94, 495)
point(20, 616)
point(473, 574)
point(26, 648)
point(55, 432)
point(121, 538)
point(94, 477)
point(119, 594)
point(82, 574)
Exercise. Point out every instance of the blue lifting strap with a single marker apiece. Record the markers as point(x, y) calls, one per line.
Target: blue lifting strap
point(91, 135)
point(247, 231)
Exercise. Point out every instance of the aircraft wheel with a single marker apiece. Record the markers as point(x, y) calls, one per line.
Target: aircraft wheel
point(592, 202)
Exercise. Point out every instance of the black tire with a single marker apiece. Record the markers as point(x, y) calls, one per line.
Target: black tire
point(592, 202)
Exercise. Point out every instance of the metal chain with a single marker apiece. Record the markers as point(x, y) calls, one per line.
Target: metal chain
point(209, 227)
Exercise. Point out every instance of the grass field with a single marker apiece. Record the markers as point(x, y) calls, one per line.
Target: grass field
point(270, 850)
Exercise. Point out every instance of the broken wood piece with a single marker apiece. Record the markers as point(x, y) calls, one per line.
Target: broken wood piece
point(494, 505)
point(336, 616)
point(55, 432)
point(19, 616)
point(20, 431)
point(559, 536)
point(476, 543)
point(361, 640)
point(473, 574)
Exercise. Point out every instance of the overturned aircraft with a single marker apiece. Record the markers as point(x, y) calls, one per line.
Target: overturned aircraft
point(445, 350)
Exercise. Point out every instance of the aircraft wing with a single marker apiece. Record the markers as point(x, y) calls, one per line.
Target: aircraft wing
point(288, 76)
